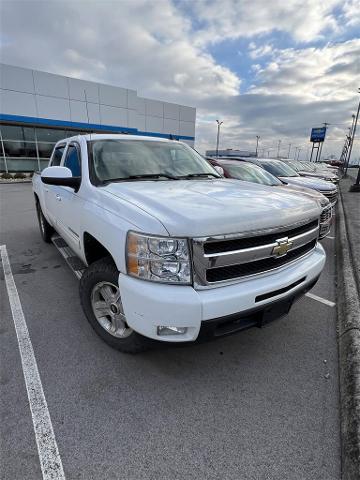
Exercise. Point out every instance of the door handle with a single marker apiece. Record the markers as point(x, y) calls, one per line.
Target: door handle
point(58, 198)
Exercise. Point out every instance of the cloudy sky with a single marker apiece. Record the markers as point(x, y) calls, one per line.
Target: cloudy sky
point(270, 68)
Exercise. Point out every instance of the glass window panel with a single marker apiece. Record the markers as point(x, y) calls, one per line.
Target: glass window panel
point(21, 164)
point(30, 149)
point(44, 164)
point(72, 133)
point(14, 149)
point(20, 149)
point(45, 149)
point(12, 132)
point(49, 135)
point(29, 134)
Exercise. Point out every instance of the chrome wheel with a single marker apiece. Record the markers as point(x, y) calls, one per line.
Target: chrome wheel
point(108, 309)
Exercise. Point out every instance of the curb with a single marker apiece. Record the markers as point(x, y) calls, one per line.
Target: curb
point(15, 183)
point(348, 332)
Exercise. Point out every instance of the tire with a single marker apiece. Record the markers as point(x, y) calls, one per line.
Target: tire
point(101, 302)
point(46, 229)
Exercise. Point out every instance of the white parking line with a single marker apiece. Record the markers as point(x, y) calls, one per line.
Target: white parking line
point(50, 461)
point(320, 299)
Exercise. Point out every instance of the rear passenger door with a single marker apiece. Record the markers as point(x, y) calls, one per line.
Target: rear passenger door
point(70, 202)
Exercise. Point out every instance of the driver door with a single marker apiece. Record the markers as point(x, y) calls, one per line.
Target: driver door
point(70, 202)
point(51, 192)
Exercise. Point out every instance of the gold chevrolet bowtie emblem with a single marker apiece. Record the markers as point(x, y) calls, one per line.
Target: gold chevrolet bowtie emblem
point(282, 247)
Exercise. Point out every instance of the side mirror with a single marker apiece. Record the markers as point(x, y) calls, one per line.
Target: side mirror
point(61, 176)
point(219, 169)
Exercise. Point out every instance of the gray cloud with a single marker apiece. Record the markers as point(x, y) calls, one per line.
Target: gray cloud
point(153, 46)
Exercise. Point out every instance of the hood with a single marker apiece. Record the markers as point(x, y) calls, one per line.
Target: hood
point(305, 191)
point(317, 184)
point(318, 175)
point(195, 208)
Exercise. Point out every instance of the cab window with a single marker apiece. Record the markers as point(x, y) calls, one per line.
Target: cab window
point(57, 156)
point(72, 160)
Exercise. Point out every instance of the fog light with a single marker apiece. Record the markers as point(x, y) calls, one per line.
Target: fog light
point(171, 330)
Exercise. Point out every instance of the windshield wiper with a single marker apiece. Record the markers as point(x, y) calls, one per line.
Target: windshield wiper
point(140, 176)
point(197, 175)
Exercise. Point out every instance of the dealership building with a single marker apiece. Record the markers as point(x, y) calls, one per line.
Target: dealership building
point(37, 109)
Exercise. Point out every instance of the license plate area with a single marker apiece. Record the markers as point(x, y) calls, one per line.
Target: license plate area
point(276, 311)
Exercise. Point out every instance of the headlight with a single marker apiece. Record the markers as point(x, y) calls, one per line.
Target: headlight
point(160, 259)
point(324, 202)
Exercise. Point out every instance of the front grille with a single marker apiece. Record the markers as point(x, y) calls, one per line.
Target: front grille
point(229, 258)
point(249, 242)
point(326, 215)
point(332, 196)
point(244, 269)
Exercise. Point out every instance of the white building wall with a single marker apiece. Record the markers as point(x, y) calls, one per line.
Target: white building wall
point(45, 96)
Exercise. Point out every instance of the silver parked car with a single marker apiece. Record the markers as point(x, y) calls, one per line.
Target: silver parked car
point(288, 175)
point(309, 169)
point(249, 172)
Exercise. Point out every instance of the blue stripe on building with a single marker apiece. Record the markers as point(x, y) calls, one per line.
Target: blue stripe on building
point(48, 122)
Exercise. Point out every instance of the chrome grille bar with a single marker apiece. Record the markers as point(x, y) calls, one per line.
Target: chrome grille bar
point(206, 262)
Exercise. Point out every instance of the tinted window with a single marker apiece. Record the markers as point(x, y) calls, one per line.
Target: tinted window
point(72, 161)
point(57, 156)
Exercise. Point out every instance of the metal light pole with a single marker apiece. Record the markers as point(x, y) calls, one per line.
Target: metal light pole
point(218, 137)
point(298, 155)
point(322, 143)
point(350, 136)
point(257, 144)
point(278, 151)
point(356, 186)
point(288, 155)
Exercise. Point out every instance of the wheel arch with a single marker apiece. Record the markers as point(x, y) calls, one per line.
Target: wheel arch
point(94, 250)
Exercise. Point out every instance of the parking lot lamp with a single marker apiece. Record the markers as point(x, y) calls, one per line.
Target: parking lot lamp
point(218, 137)
point(356, 186)
point(257, 144)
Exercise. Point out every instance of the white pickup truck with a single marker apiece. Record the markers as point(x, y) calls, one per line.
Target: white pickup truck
point(172, 250)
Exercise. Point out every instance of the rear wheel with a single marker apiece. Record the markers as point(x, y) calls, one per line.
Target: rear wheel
point(101, 302)
point(46, 229)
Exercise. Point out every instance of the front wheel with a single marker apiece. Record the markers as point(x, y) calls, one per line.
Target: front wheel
point(101, 301)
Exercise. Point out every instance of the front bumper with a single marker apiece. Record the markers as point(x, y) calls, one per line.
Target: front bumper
point(148, 305)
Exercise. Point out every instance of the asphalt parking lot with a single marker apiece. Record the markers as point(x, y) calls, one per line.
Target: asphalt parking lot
point(262, 404)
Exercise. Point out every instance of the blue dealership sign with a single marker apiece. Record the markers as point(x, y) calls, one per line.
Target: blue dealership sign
point(318, 134)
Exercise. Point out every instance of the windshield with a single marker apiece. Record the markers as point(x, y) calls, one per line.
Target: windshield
point(251, 173)
point(295, 166)
point(114, 159)
point(279, 169)
point(308, 167)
